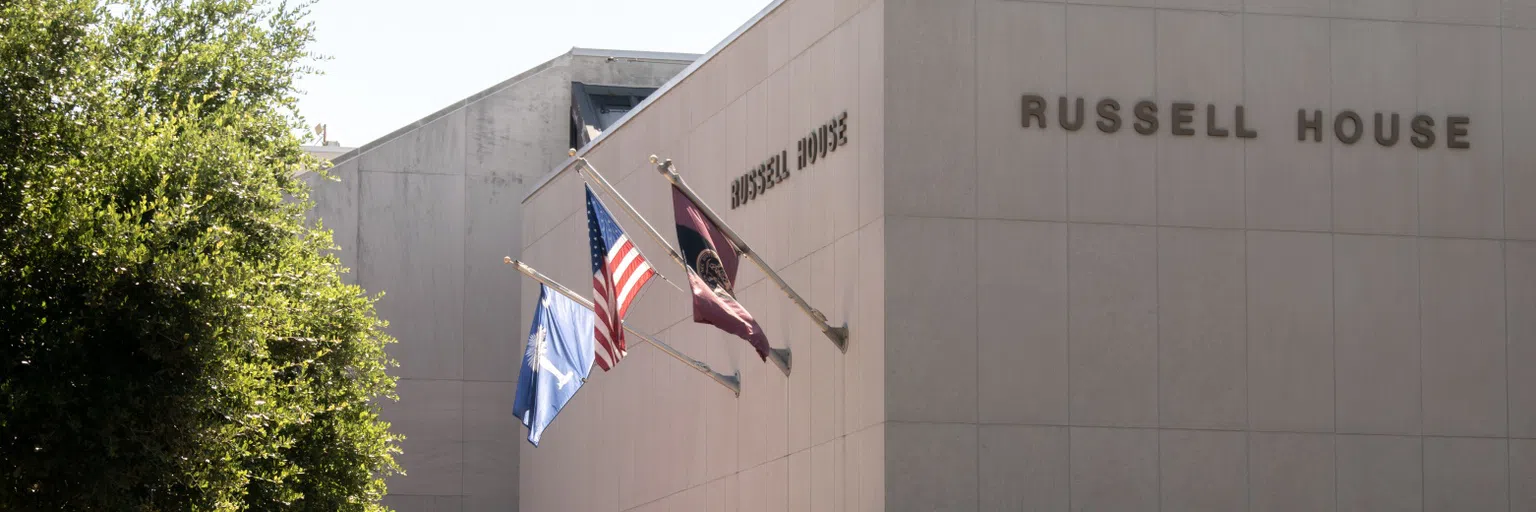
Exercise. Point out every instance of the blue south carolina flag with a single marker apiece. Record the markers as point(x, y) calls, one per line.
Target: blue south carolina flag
point(559, 356)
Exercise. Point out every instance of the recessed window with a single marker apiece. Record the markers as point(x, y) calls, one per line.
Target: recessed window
point(594, 108)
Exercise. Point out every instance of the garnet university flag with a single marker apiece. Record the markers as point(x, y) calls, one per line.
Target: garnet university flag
point(712, 261)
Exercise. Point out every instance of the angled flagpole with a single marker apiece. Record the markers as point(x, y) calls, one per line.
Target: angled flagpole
point(731, 382)
point(838, 335)
point(585, 168)
point(781, 357)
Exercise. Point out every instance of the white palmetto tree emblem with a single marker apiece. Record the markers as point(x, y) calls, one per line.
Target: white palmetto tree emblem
point(538, 358)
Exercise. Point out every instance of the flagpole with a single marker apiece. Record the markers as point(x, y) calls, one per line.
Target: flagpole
point(731, 382)
point(629, 209)
point(838, 335)
point(781, 357)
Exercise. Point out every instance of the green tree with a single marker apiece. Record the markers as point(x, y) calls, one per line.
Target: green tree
point(173, 336)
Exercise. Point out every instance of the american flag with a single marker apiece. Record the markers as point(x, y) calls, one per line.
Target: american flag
point(618, 273)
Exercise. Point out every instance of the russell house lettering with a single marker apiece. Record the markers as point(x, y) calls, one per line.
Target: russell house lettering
point(1147, 117)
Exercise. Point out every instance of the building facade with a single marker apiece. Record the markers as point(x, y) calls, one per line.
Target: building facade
point(1122, 255)
point(425, 215)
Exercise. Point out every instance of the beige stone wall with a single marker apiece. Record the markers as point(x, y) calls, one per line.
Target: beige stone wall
point(1154, 322)
point(654, 434)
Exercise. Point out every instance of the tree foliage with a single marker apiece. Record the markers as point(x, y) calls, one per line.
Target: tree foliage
point(173, 336)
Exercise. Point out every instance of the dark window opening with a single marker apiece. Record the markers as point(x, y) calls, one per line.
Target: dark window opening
point(595, 108)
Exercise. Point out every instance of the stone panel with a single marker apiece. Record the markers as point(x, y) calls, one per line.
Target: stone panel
point(1022, 322)
point(930, 319)
point(1021, 172)
point(1480, 12)
point(1200, 177)
point(866, 469)
point(1290, 331)
point(764, 488)
point(1024, 468)
point(1376, 300)
point(1396, 10)
point(1128, 3)
point(1375, 188)
point(842, 10)
point(762, 425)
point(430, 414)
point(1519, 117)
point(930, 149)
point(1518, 14)
point(721, 494)
point(1287, 67)
point(1113, 327)
point(1461, 190)
point(693, 498)
point(1380, 473)
point(1203, 5)
point(720, 434)
point(434, 148)
point(841, 81)
point(540, 221)
point(1463, 332)
point(1466, 474)
point(1522, 474)
point(812, 191)
point(486, 409)
point(1520, 285)
point(802, 389)
point(1111, 177)
point(407, 503)
point(1288, 472)
point(870, 119)
point(1203, 470)
point(490, 474)
point(1202, 333)
point(411, 247)
point(865, 365)
point(433, 467)
point(808, 21)
point(828, 365)
point(800, 480)
point(493, 343)
point(518, 132)
point(828, 465)
point(1290, 7)
point(1114, 469)
point(931, 466)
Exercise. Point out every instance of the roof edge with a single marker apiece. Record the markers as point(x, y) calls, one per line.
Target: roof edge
point(634, 54)
point(664, 89)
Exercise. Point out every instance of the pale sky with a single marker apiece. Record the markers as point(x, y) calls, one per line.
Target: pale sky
point(395, 61)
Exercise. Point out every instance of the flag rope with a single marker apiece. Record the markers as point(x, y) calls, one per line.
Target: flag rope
point(838, 335)
point(781, 357)
point(731, 382)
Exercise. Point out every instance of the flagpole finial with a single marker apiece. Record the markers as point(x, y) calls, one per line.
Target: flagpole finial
point(572, 152)
point(506, 259)
point(655, 159)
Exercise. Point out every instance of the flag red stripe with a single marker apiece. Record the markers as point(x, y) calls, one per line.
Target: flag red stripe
point(604, 330)
point(618, 279)
point(606, 321)
point(627, 284)
point(623, 273)
point(638, 282)
point(599, 306)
